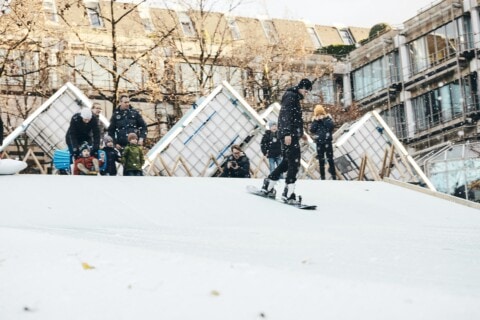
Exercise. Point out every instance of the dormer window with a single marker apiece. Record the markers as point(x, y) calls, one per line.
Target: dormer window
point(232, 24)
point(346, 36)
point(93, 12)
point(317, 44)
point(270, 32)
point(146, 19)
point(50, 10)
point(187, 25)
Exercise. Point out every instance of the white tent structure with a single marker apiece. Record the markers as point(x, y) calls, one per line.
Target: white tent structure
point(200, 141)
point(369, 150)
point(48, 125)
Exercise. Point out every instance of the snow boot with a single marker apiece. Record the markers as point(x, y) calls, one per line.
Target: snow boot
point(268, 188)
point(288, 195)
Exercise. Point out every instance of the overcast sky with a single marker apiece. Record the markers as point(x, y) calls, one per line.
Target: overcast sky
point(361, 13)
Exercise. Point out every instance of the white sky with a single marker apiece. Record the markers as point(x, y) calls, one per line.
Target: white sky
point(360, 13)
point(150, 248)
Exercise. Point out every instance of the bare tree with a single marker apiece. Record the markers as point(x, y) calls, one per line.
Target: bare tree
point(24, 70)
point(124, 59)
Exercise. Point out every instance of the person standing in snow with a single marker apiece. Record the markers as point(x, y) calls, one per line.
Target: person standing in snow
point(1, 129)
point(237, 164)
point(125, 120)
point(322, 127)
point(112, 156)
point(83, 128)
point(290, 128)
point(271, 146)
point(132, 157)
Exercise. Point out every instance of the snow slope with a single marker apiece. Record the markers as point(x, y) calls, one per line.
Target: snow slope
point(74, 247)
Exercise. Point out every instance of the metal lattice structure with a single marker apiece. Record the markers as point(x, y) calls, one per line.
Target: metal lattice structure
point(48, 125)
point(369, 150)
point(200, 141)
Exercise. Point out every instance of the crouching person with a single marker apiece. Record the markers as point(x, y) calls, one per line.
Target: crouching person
point(86, 164)
point(237, 164)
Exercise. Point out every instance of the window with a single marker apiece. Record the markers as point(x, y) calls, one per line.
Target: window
point(443, 104)
point(232, 24)
point(373, 76)
point(93, 11)
point(187, 25)
point(396, 119)
point(4, 9)
point(346, 36)
point(89, 70)
point(270, 31)
point(50, 10)
point(146, 19)
point(21, 67)
point(317, 44)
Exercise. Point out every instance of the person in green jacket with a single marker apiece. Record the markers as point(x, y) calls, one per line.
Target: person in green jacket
point(132, 157)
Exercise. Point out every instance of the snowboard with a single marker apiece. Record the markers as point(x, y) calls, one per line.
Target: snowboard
point(254, 190)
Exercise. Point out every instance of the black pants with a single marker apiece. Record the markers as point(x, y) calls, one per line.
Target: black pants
point(326, 150)
point(290, 162)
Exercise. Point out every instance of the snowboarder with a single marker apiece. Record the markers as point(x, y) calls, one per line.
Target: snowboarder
point(290, 128)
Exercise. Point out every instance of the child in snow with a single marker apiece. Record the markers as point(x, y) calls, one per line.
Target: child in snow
point(86, 164)
point(132, 157)
point(113, 156)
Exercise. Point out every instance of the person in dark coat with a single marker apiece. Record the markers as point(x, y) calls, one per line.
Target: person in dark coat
point(290, 128)
point(126, 119)
point(237, 164)
point(322, 127)
point(112, 156)
point(271, 146)
point(1, 129)
point(83, 128)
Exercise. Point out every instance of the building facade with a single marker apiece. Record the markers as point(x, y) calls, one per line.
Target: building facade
point(423, 77)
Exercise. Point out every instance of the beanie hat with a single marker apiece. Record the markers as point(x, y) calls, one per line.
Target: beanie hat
point(305, 84)
point(272, 123)
point(84, 146)
point(107, 139)
point(86, 113)
point(319, 111)
point(132, 135)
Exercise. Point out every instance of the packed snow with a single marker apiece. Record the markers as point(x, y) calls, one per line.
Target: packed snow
point(75, 247)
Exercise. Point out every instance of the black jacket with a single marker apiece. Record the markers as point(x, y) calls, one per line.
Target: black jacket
point(1, 130)
point(242, 171)
point(323, 129)
point(124, 122)
point(290, 121)
point(270, 144)
point(112, 156)
point(79, 131)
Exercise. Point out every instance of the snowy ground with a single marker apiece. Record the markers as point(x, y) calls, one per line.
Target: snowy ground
point(198, 248)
